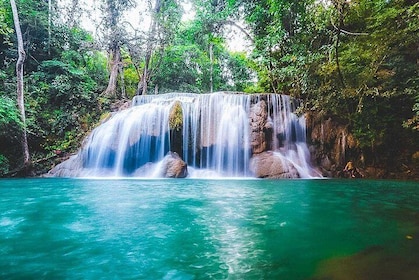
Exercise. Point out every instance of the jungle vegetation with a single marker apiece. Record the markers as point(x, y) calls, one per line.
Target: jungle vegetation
point(355, 60)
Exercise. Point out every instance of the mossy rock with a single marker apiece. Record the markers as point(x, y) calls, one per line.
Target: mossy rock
point(176, 117)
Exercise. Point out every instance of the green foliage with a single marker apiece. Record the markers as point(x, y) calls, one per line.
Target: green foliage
point(186, 65)
point(4, 165)
point(413, 122)
point(176, 117)
point(366, 73)
point(10, 122)
point(131, 81)
point(182, 69)
point(237, 74)
point(5, 29)
point(10, 128)
point(65, 95)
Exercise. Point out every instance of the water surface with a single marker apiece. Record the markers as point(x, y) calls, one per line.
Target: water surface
point(208, 229)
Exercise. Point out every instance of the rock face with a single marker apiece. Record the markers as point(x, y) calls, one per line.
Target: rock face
point(173, 166)
point(331, 145)
point(258, 119)
point(69, 168)
point(272, 165)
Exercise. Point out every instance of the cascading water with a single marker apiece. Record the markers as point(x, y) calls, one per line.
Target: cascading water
point(130, 139)
point(215, 133)
point(214, 136)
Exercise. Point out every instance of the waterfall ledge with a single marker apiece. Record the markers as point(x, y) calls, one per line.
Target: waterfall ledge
point(233, 135)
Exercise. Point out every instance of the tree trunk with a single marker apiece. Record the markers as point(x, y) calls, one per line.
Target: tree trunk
point(143, 83)
point(49, 26)
point(211, 54)
point(122, 77)
point(115, 66)
point(145, 75)
point(19, 78)
point(339, 6)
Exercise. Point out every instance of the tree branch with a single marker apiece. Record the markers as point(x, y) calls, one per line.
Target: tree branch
point(230, 22)
point(347, 32)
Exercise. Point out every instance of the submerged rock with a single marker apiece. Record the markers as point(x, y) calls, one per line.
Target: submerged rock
point(372, 263)
point(272, 165)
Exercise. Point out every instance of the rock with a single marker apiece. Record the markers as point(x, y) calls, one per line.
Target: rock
point(120, 105)
point(372, 263)
point(68, 168)
point(176, 117)
point(272, 165)
point(258, 117)
point(331, 144)
point(173, 166)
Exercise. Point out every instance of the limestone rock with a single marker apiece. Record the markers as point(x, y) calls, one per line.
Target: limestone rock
point(68, 168)
point(272, 165)
point(258, 117)
point(173, 166)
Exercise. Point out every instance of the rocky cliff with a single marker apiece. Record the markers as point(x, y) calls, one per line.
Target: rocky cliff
point(332, 144)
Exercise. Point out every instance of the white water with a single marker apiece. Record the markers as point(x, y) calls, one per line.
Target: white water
point(215, 138)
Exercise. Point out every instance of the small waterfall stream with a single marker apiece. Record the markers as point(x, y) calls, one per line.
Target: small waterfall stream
point(216, 136)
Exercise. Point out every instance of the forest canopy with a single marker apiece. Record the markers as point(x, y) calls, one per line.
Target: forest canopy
point(356, 60)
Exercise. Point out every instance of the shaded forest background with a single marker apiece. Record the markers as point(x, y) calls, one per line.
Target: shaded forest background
point(354, 61)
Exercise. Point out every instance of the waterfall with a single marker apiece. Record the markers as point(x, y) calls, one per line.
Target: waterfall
point(214, 136)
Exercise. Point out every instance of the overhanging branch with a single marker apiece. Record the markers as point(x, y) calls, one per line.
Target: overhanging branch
point(232, 23)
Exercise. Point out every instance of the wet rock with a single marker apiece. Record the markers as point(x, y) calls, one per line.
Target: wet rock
point(176, 117)
point(272, 165)
point(258, 118)
point(372, 263)
point(331, 144)
point(173, 166)
point(69, 168)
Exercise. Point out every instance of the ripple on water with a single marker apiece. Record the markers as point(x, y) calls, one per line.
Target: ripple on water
point(79, 227)
point(8, 225)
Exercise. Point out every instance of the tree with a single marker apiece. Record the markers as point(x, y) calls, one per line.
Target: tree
point(19, 78)
point(165, 18)
point(115, 37)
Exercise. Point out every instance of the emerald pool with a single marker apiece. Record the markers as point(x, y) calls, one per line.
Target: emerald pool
point(208, 229)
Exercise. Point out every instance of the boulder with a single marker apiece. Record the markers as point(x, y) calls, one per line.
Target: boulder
point(68, 168)
point(258, 118)
point(272, 165)
point(173, 166)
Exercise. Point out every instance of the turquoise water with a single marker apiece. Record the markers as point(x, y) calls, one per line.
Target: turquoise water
point(204, 229)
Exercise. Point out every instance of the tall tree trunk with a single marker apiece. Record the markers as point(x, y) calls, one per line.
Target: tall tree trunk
point(49, 26)
point(19, 78)
point(339, 6)
point(211, 54)
point(115, 66)
point(122, 78)
point(143, 83)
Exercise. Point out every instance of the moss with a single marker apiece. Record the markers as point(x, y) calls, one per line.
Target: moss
point(105, 117)
point(176, 117)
